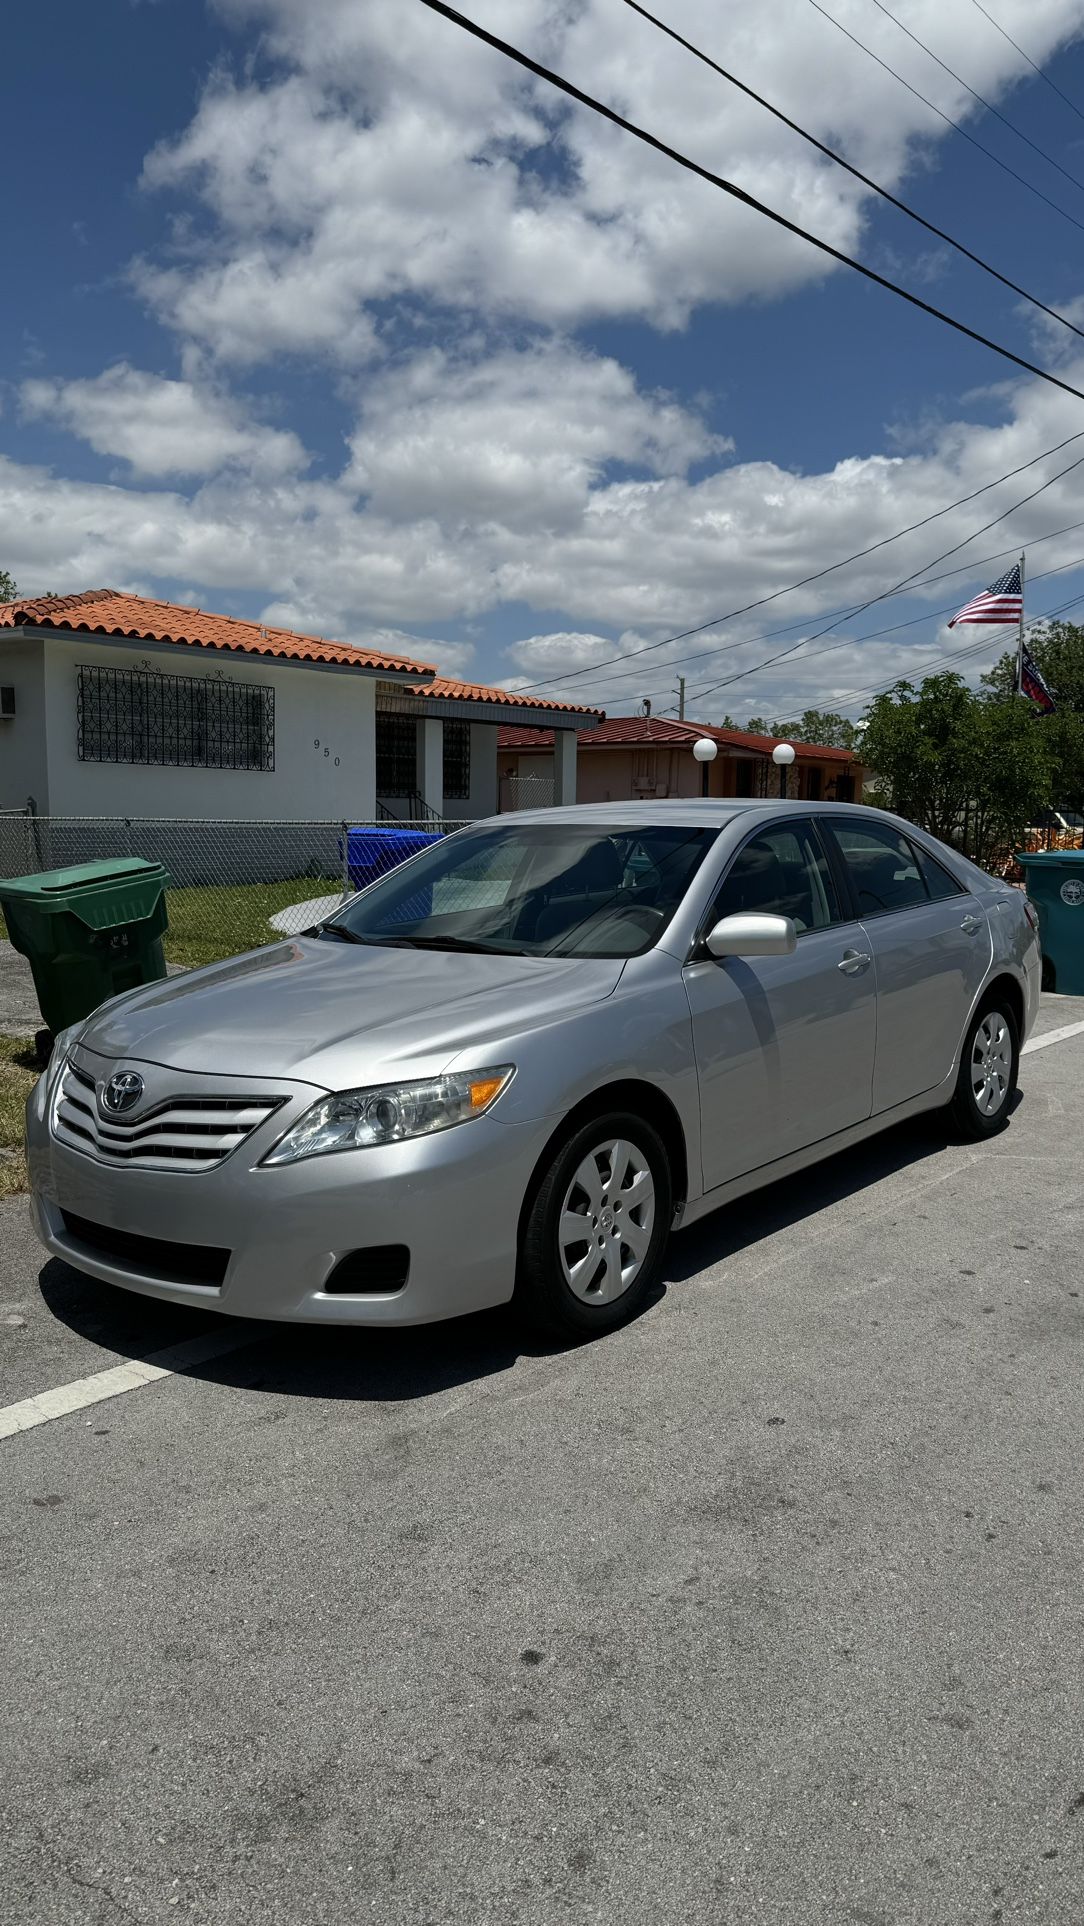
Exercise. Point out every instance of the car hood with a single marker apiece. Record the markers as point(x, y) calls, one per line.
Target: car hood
point(324, 1013)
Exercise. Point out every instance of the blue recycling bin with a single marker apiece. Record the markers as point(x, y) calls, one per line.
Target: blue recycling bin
point(373, 852)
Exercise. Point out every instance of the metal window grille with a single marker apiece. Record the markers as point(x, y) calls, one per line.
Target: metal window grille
point(457, 760)
point(396, 755)
point(174, 721)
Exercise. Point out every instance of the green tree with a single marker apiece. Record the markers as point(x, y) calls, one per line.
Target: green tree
point(971, 769)
point(756, 726)
point(1015, 769)
point(920, 743)
point(1058, 648)
point(8, 590)
point(825, 727)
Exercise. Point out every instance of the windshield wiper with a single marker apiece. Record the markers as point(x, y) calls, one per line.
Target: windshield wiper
point(339, 931)
point(456, 943)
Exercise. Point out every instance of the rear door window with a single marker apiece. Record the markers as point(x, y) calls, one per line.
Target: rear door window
point(882, 865)
point(935, 876)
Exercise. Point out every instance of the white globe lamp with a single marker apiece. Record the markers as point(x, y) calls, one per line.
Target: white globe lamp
point(705, 751)
point(783, 756)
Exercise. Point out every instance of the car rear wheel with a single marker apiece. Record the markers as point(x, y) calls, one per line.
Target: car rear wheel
point(989, 1066)
point(597, 1228)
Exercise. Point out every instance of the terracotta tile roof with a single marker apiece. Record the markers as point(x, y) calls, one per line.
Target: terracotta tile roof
point(477, 692)
point(107, 612)
point(620, 731)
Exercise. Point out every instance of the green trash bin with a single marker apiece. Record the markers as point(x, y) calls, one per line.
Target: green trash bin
point(1055, 883)
point(88, 932)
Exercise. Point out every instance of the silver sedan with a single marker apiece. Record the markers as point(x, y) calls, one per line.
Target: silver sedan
point(511, 1067)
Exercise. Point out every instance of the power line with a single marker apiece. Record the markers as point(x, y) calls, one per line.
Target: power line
point(780, 220)
point(854, 608)
point(948, 120)
point(971, 648)
point(893, 199)
point(739, 193)
point(930, 615)
point(682, 635)
point(981, 98)
point(974, 648)
point(1052, 84)
point(907, 579)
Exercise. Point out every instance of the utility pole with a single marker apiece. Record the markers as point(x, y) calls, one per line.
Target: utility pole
point(1020, 637)
point(681, 698)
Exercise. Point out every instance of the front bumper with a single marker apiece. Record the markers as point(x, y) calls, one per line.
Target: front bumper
point(453, 1199)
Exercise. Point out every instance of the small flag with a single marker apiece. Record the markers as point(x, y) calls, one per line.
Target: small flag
point(1003, 601)
point(1033, 683)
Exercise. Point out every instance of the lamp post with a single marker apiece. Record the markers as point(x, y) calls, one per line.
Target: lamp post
point(705, 751)
point(783, 756)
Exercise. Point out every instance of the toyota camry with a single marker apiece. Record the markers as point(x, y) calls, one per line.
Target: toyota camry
point(510, 1068)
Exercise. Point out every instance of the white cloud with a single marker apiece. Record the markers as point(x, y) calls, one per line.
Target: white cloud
point(161, 427)
point(518, 439)
point(309, 617)
point(382, 183)
point(636, 561)
point(396, 158)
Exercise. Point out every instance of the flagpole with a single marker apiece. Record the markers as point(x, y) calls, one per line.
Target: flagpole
point(1020, 637)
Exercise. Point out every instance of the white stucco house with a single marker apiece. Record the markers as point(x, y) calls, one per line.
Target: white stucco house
point(117, 705)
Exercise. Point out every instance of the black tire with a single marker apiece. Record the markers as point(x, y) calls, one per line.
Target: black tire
point(971, 1121)
point(543, 1296)
point(43, 1046)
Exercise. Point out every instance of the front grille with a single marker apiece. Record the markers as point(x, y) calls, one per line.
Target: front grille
point(184, 1133)
point(374, 1272)
point(150, 1256)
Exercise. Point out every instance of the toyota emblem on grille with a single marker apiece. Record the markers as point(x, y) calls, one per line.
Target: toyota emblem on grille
point(122, 1092)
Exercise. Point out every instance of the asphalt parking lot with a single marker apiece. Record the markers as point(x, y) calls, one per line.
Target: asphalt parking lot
point(768, 1609)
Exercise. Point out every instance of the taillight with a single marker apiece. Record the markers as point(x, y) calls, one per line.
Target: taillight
point(1032, 914)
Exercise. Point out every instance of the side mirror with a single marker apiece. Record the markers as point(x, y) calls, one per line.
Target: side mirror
point(753, 935)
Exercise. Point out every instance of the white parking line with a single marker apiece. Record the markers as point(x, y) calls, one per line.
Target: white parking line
point(112, 1383)
point(1053, 1036)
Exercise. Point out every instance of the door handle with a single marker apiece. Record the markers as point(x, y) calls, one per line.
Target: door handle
point(853, 962)
point(971, 925)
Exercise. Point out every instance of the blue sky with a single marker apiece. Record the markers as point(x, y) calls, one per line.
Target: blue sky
point(325, 315)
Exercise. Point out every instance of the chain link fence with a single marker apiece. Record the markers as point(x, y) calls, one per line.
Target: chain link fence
point(527, 792)
point(233, 885)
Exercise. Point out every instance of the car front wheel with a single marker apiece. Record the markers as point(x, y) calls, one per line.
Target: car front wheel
point(989, 1066)
point(597, 1228)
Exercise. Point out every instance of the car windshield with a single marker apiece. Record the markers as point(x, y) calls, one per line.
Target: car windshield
point(533, 889)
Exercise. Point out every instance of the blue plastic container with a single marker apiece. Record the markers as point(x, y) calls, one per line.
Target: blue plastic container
point(373, 852)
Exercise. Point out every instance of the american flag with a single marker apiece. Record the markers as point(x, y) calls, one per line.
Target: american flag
point(1003, 601)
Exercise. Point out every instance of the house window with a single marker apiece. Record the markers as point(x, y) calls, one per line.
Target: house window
point(457, 760)
point(174, 721)
point(396, 756)
point(813, 785)
point(743, 777)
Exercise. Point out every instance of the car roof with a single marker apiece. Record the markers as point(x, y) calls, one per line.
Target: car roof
point(712, 812)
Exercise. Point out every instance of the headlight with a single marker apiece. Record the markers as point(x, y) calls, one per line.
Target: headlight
point(390, 1113)
point(63, 1042)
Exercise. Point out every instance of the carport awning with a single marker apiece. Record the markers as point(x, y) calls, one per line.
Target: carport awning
point(449, 708)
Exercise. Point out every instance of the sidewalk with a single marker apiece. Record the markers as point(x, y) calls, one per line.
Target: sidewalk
point(19, 1015)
